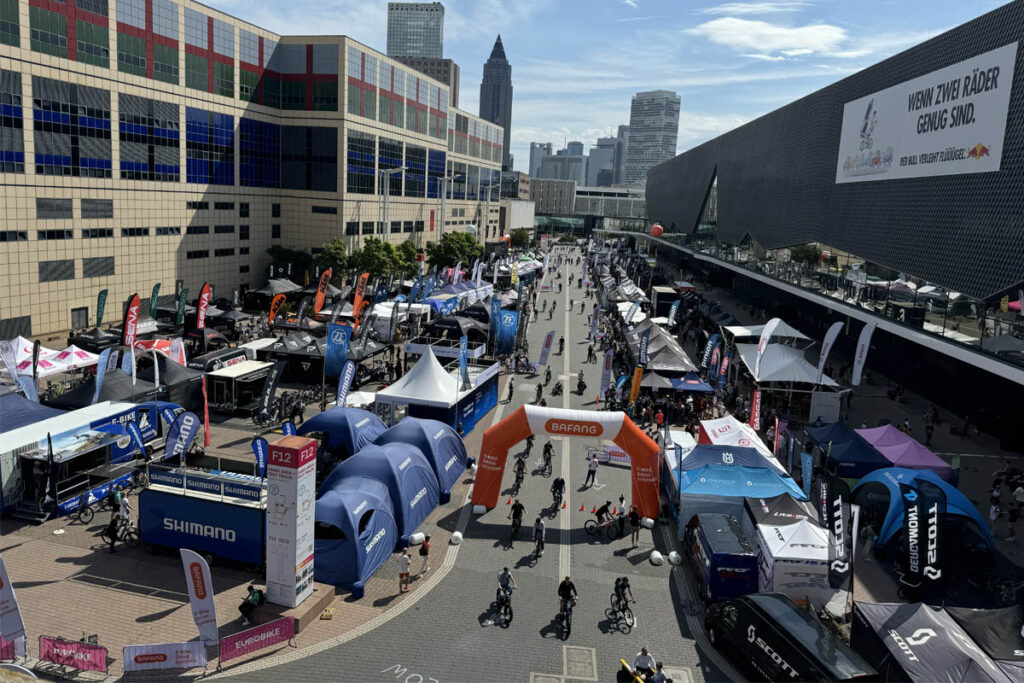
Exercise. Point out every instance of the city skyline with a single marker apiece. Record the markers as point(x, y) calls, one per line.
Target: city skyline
point(576, 63)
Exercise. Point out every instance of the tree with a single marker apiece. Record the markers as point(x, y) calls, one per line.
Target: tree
point(300, 260)
point(333, 256)
point(520, 238)
point(406, 254)
point(376, 257)
point(453, 248)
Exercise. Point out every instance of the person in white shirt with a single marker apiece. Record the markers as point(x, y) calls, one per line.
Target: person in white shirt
point(591, 471)
point(403, 571)
point(1018, 495)
point(643, 663)
point(659, 675)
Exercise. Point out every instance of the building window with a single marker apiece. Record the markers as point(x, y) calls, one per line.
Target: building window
point(98, 267)
point(351, 228)
point(243, 232)
point(80, 318)
point(368, 227)
point(56, 271)
point(15, 327)
point(325, 96)
point(9, 24)
point(223, 206)
point(97, 208)
point(47, 208)
point(224, 79)
point(197, 206)
point(196, 72)
point(223, 252)
point(331, 210)
point(419, 226)
point(407, 226)
point(210, 147)
point(243, 269)
point(361, 157)
point(169, 230)
point(362, 83)
point(49, 32)
point(396, 227)
point(134, 232)
point(72, 129)
point(197, 230)
point(243, 210)
point(93, 44)
point(224, 229)
point(13, 235)
point(389, 157)
point(197, 254)
point(165, 64)
point(43, 235)
point(275, 210)
point(97, 233)
point(12, 149)
point(309, 158)
point(435, 172)
point(243, 251)
point(150, 138)
point(275, 232)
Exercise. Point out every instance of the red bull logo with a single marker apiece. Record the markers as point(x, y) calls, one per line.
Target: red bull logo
point(978, 151)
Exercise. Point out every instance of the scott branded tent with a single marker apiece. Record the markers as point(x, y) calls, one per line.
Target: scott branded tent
point(999, 632)
point(347, 429)
point(902, 450)
point(354, 533)
point(410, 479)
point(438, 442)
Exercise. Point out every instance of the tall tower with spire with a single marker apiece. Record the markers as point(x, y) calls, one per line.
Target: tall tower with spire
point(496, 96)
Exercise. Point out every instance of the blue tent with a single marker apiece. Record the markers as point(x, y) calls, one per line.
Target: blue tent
point(726, 456)
point(354, 534)
point(691, 382)
point(879, 492)
point(410, 480)
point(348, 429)
point(440, 443)
point(723, 480)
point(848, 452)
point(17, 411)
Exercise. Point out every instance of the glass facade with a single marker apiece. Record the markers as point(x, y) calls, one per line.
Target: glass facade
point(361, 153)
point(389, 156)
point(149, 139)
point(259, 150)
point(12, 146)
point(309, 158)
point(72, 129)
point(9, 23)
point(209, 147)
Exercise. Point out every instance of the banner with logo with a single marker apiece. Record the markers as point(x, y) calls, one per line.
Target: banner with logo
point(545, 350)
point(179, 318)
point(177, 351)
point(336, 349)
point(11, 625)
point(861, 355)
point(181, 434)
point(806, 471)
point(673, 311)
point(348, 373)
point(73, 654)
point(200, 595)
point(912, 537)
point(288, 428)
point(101, 306)
point(275, 306)
point(131, 321)
point(154, 299)
point(259, 452)
point(762, 344)
point(495, 312)
point(357, 301)
point(833, 502)
point(168, 415)
point(594, 321)
point(631, 312)
point(136, 436)
point(755, 411)
point(826, 346)
point(508, 325)
point(416, 287)
point(164, 656)
point(464, 362)
point(204, 302)
point(321, 290)
point(716, 360)
point(932, 505)
point(634, 389)
point(257, 638)
point(606, 371)
point(723, 371)
point(303, 305)
point(642, 355)
point(270, 386)
point(705, 357)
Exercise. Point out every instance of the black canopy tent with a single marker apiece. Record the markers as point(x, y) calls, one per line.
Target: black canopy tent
point(479, 313)
point(364, 348)
point(998, 633)
point(454, 326)
point(117, 386)
point(94, 340)
point(276, 285)
point(303, 352)
point(202, 338)
point(178, 384)
point(781, 510)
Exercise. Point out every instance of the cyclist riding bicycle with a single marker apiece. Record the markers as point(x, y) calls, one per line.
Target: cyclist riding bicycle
point(548, 450)
point(529, 444)
point(516, 513)
point(622, 587)
point(547, 376)
point(557, 488)
point(506, 583)
point(566, 593)
point(538, 535)
point(520, 468)
point(604, 513)
point(559, 287)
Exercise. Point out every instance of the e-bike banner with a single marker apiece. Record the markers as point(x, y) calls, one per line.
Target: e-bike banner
point(73, 654)
point(932, 500)
point(947, 122)
point(200, 595)
point(164, 656)
point(546, 349)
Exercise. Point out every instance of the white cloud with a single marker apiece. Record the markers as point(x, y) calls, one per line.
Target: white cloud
point(765, 37)
point(631, 3)
point(747, 8)
point(765, 58)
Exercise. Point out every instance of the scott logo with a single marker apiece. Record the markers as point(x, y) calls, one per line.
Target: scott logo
point(195, 570)
point(770, 651)
point(573, 427)
point(921, 636)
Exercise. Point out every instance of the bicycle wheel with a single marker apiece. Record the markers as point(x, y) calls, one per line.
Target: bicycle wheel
point(627, 616)
point(131, 539)
point(506, 613)
point(105, 537)
point(612, 532)
point(590, 526)
point(85, 514)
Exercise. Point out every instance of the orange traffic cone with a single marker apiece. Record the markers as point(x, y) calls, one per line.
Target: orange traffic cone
point(564, 505)
point(593, 510)
point(615, 511)
point(582, 507)
point(598, 399)
point(508, 502)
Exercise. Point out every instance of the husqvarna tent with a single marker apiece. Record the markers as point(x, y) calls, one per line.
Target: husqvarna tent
point(728, 431)
point(347, 429)
point(721, 488)
point(354, 533)
point(724, 455)
point(404, 469)
point(438, 442)
point(918, 642)
point(878, 495)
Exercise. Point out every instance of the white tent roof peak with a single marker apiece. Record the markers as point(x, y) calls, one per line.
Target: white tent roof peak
point(782, 331)
point(426, 383)
point(803, 540)
point(782, 364)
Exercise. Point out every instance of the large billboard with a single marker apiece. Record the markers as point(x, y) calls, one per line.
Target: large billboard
point(947, 122)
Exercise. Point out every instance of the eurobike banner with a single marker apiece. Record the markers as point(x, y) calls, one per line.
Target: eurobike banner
point(348, 373)
point(755, 411)
point(136, 438)
point(545, 350)
point(508, 325)
point(321, 290)
point(464, 362)
point(275, 306)
point(833, 503)
point(826, 346)
point(336, 349)
point(181, 434)
point(257, 638)
point(73, 654)
point(762, 344)
point(131, 321)
point(200, 595)
point(204, 302)
point(259, 452)
point(12, 628)
point(932, 504)
point(723, 371)
point(163, 656)
point(861, 355)
point(645, 342)
point(672, 312)
point(705, 357)
point(606, 371)
point(101, 306)
point(270, 385)
point(154, 299)
point(179, 318)
point(946, 122)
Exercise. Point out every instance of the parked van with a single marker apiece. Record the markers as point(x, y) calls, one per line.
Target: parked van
point(722, 556)
point(783, 642)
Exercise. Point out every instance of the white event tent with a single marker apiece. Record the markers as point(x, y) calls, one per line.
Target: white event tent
point(782, 364)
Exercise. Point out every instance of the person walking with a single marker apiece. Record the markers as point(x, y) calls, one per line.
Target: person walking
point(509, 399)
point(591, 471)
point(112, 528)
point(868, 536)
point(634, 526)
point(425, 554)
point(403, 571)
point(620, 516)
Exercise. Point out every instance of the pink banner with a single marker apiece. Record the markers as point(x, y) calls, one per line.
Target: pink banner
point(6, 649)
point(73, 654)
point(254, 639)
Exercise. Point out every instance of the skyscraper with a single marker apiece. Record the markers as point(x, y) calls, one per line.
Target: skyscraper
point(653, 129)
point(496, 96)
point(415, 29)
point(538, 150)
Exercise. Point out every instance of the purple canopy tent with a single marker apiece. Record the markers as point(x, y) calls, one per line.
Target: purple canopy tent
point(902, 450)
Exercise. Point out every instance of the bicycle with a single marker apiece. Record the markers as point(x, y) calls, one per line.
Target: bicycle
point(518, 483)
point(538, 546)
point(85, 513)
point(565, 618)
point(556, 498)
point(502, 607)
point(592, 527)
point(517, 524)
point(624, 610)
point(545, 469)
point(127, 533)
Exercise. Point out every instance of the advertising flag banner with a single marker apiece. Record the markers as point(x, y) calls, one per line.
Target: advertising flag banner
point(348, 373)
point(826, 346)
point(179, 318)
point(128, 362)
point(303, 305)
point(73, 654)
point(932, 506)
point(755, 410)
point(101, 306)
point(861, 356)
point(154, 299)
point(321, 290)
point(762, 344)
point(457, 273)
point(288, 428)
point(181, 434)
point(336, 309)
point(131, 321)
point(206, 416)
point(8, 358)
point(336, 350)
point(723, 371)
point(204, 302)
point(780, 427)
point(416, 287)
point(514, 272)
point(606, 370)
point(257, 638)
point(716, 359)
point(200, 595)
point(705, 357)
point(495, 312)
point(912, 537)
point(270, 386)
point(11, 625)
point(631, 312)
point(259, 452)
point(177, 351)
point(164, 656)
point(112, 362)
point(547, 258)
point(360, 298)
point(464, 362)
point(275, 306)
point(806, 470)
point(642, 355)
point(508, 325)
point(291, 475)
point(792, 448)
point(494, 275)
point(545, 350)
point(833, 502)
point(634, 389)
point(168, 415)
point(594, 322)
point(136, 436)
point(672, 312)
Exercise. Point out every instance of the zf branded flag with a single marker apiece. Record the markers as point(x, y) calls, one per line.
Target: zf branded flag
point(131, 321)
point(348, 373)
point(275, 306)
point(181, 434)
point(153, 300)
point(179, 317)
point(200, 595)
point(260, 448)
point(932, 505)
point(833, 503)
point(546, 349)
point(204, 302)
point(321, 290)
point(101, 306)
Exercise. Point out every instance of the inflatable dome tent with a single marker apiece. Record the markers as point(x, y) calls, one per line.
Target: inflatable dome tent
point(347, 430)
point(438, 442)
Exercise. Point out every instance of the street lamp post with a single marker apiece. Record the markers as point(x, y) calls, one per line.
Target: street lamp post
point(385, 185)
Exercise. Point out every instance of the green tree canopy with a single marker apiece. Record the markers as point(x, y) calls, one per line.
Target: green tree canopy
point(520, 238)
point(333, 256)
point(300, 260)
point(406, 253)
point(452, 248)
point(376, 257)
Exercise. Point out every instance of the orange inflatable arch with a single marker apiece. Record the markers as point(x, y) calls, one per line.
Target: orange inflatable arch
point(526, 420)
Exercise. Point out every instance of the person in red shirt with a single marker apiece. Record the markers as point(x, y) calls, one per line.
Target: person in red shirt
point(659, 418)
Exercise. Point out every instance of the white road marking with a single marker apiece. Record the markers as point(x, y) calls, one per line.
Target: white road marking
point(564, 547)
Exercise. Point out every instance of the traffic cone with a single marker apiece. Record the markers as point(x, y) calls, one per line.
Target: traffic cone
point(564, 505)
point(597, 400)
point(508, 502)
point(615, 511)
point(593, 510)
point(582, 507)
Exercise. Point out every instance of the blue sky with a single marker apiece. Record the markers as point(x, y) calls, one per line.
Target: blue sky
point(576, 63)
